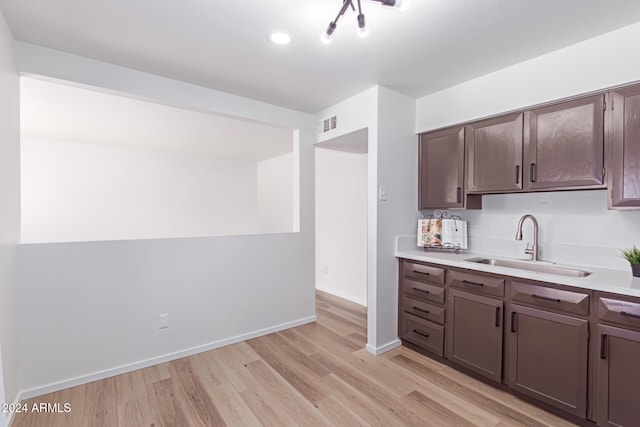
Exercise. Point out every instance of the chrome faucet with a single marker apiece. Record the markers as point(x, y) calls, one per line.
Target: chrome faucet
point(533, 251)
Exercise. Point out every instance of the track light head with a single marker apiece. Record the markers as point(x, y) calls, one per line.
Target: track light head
point(363, 30)
point(326, 36)
point(331, 28)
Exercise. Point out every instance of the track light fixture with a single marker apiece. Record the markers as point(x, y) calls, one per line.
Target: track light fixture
point(363, 30)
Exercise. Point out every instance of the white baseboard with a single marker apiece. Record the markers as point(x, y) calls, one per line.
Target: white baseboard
point(343, 295)
point(377, 351)
point(84, 379)
point(11, 414)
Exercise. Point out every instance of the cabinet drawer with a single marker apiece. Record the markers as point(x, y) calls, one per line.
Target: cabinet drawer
point(422, 309)
point(620, 312)
point(477, 283)
point(556, 299)
point(422, 272)
point(423, 291)
point(423, 333)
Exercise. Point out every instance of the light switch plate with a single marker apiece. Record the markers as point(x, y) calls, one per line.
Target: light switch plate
point(383, 194)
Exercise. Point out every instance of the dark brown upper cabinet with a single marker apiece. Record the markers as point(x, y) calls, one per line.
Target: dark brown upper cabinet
point(441, 170)
point(494, 154)
point(623, 142)
point(564, 145)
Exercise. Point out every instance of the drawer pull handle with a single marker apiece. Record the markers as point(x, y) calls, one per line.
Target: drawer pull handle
point(422, 310)
point(603, 346)
point(419, 332)
point(542, 297)
point(513, 321)
point(469, 282)
point(459, 195)
point(517, 174)
point(625, 314)
point(497, 317)
point(420, 290)
point(421, 272)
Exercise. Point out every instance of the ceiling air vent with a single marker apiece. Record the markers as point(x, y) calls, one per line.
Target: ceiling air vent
point(329, 124)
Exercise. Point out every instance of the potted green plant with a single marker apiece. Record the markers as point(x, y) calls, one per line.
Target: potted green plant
point(633, 256)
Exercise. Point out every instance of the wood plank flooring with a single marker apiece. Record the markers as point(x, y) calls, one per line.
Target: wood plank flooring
point(317, 374)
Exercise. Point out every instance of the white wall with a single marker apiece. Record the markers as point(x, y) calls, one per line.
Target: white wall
point(84, 192)
point(9, 212)
point(3, 418)
point(89, 310)
point(341, 224)
point(392, 162)
point(575, 226)
point(353, 114)
point(591, 65)
point(398, 171)
point(275, 194)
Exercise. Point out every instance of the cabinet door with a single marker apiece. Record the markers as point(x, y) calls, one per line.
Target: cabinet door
point(441, 169)
point(474, 333)
point(623, 140)
point(494, 154)
point(548, 357)
point(564, 145)
point(618, 377)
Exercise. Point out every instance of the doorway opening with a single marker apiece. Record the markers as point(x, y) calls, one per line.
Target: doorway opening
point(341, 216)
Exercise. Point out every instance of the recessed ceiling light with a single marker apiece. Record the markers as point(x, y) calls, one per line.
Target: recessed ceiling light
point(280, 37)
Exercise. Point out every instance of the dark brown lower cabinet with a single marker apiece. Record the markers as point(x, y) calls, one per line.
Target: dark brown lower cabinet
point(539, 333)
point(474, 333)
point(617, 394)
point(422, 333)
point(548, 357)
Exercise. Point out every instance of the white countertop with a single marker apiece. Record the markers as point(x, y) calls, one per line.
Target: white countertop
point(600, 279)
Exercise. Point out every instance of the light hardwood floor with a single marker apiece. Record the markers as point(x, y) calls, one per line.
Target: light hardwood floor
point(316, 374)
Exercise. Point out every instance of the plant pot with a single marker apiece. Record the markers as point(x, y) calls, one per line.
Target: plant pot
point(635, 270)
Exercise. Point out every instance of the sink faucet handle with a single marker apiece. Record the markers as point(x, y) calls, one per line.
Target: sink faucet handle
point(528, 250)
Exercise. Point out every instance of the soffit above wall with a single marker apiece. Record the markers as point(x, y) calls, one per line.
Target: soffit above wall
point(67, 113)
point(353, 142)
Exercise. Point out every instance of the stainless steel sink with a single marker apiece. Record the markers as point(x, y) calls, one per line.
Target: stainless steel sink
point(537, 267)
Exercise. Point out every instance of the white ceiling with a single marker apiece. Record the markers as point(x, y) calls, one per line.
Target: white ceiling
point(223, 44)
point(71, 114)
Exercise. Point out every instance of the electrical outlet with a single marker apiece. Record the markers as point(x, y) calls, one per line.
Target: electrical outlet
point(164, 321)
